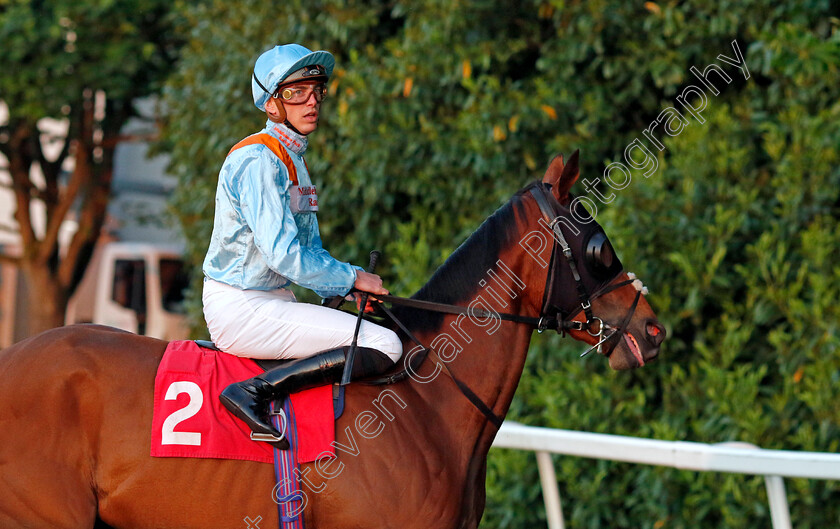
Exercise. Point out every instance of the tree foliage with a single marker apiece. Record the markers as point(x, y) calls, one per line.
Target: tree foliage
point(438, 111)
point(83, 63)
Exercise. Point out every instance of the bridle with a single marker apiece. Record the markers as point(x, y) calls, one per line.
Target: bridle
point(551, 316)
point(548, 207)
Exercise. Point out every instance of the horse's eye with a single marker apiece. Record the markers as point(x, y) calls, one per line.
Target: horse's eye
point(599, 253)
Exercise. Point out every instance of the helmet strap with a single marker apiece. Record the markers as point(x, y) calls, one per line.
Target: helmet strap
point(281, 110)
point(280, 116)
point(289, 124)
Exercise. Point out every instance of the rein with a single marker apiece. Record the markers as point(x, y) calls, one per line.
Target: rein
point(540, 323)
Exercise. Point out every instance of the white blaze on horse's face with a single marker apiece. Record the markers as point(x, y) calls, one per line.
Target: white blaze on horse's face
point(620, 321)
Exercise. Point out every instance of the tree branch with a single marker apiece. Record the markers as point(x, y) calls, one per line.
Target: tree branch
point(81, 174)
point(90, 225)
point(19, 164)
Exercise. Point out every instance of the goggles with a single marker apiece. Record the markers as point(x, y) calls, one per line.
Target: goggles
point(298, 94)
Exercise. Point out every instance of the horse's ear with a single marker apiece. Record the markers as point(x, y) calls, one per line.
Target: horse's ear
point(555, 168)
point(570, 174)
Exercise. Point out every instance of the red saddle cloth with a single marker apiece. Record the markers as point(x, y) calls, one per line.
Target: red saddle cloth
point(190, 421)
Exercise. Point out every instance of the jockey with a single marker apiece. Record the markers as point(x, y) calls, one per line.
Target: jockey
point(265, 236)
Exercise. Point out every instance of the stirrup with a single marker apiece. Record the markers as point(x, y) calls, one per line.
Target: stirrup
point(270, 438)
point(267, 437)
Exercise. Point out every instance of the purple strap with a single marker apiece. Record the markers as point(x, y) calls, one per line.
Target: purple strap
point(288, 494)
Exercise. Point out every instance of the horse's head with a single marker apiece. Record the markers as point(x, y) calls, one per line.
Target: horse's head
point(587, 292)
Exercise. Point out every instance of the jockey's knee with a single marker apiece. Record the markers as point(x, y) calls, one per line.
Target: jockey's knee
point(392, 346)
point(385, 341)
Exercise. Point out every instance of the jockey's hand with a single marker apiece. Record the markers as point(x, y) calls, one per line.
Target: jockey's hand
point(367, 282)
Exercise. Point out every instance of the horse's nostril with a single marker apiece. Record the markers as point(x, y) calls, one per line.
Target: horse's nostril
point(656, 332)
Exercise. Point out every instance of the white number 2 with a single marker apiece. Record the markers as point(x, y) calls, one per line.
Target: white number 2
point(168, 434)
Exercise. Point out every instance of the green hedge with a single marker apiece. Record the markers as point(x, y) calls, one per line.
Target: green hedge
point(440, 110)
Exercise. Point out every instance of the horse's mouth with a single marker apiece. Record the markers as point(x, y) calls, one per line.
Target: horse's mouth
point(633, 345)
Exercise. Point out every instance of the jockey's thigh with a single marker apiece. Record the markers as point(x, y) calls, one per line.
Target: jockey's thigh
point(272, 325)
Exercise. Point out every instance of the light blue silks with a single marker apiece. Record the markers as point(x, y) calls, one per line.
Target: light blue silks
point(257, 242)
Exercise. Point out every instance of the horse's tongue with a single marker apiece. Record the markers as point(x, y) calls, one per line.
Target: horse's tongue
point(634, 348)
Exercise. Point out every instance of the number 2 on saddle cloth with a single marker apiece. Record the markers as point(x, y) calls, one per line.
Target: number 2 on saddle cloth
point(190, 421)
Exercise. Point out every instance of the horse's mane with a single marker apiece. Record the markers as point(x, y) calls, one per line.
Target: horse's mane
point(456, 280)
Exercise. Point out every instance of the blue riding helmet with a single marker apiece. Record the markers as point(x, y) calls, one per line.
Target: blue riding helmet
point(277, 64)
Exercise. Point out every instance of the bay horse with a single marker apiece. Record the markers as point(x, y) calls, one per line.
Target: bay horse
point(76, 402)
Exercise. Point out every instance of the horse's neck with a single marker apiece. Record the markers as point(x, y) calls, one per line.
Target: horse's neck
point(487, 355)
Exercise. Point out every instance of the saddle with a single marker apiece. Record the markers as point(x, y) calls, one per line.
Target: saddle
point(267, 365)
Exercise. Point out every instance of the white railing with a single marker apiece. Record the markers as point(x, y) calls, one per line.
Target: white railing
point(740, 458)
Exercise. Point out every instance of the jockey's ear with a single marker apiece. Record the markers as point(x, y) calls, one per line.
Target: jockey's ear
point(567, 178)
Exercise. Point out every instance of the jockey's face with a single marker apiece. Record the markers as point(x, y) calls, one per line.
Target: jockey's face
point(304, 115)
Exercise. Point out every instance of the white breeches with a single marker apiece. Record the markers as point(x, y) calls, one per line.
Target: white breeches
point(272, 325)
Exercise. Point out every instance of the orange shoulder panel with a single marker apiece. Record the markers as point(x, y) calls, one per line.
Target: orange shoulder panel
point(274, 146)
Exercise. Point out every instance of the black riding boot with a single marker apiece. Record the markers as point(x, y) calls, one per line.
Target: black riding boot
point(248, 400)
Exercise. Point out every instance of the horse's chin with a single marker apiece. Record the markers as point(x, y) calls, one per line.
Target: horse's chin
point(628, 353)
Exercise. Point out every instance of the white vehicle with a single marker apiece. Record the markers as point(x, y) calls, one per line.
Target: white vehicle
point(137, 287)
